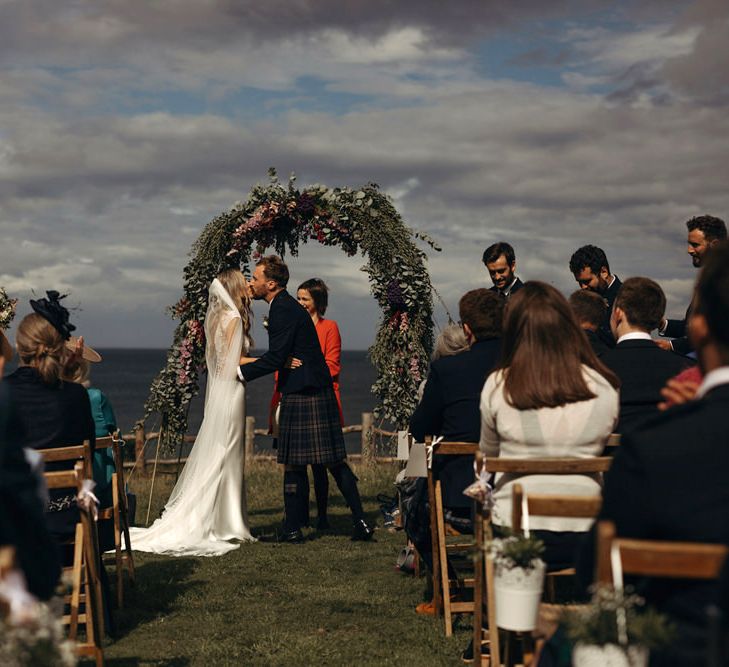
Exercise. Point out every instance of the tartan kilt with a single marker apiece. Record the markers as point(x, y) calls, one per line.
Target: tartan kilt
point(309, 429)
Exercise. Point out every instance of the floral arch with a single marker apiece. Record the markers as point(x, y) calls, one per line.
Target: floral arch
point(280, 217)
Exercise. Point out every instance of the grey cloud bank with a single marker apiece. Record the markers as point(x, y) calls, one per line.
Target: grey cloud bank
point(128, 127)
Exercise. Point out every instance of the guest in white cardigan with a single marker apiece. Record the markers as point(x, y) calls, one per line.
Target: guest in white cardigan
point(549, 397)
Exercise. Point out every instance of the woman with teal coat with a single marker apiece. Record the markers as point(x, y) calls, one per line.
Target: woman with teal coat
point(105, 423)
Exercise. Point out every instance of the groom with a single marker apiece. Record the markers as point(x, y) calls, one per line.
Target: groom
point(309, 428)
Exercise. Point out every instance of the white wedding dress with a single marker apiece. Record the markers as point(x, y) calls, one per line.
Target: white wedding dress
point(206, 514)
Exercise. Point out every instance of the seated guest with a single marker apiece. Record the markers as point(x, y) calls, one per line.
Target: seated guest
point(591, 270)
point(451, 340)
point(47, 411)
point(590, 309)
point(105, 424)
point(22, 520)
point(450, 399)
point(500, 261)
point(450, 402)
point(669, 477)
point(642, 366)
point(549, 397)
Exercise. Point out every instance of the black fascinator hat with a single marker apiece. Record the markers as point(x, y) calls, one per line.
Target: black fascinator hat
point(52, 310)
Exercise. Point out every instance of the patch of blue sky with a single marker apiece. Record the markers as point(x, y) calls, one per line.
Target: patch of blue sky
point(542, 52)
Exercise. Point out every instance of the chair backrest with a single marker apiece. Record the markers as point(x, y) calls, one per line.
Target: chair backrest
point(71, 453)
point(539, 504)
point(451, 448)
point(548, 466)
point(66, 479)
point(613, 440)
point(106, 441)
point(657, 558)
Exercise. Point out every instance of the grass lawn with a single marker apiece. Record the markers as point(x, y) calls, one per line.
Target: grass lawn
point(329, 601)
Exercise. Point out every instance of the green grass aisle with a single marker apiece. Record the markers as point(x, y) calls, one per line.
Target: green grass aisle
point(328, 601)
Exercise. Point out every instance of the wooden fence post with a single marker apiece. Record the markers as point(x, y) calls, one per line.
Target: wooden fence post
point(368, 439)
point(250, 438)
point(139, 439)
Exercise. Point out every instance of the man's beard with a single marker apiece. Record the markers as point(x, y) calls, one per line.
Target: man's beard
point(696, 260)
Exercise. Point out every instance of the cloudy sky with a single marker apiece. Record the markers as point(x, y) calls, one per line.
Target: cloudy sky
point(126, 125)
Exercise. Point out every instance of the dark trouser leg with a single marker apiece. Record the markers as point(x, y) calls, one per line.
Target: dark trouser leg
point(294, 485)
point(321, 490)
point(347, 483)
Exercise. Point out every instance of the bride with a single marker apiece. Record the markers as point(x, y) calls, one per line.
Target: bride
point(206, 513)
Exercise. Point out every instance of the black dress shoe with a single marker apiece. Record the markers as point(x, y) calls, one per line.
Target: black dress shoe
point(293, 536)
point(362, 532)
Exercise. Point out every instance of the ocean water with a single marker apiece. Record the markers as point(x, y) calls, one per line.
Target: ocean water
point(125, 375)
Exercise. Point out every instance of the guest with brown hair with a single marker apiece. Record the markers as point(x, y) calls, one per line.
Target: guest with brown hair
point(550, 396)
point(642, 366)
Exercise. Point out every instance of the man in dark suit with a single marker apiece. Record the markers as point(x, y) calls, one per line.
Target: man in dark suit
point(310, 431)
point(500, 261)
point(591, 270)
point(704, 232)
point(669, 478)
point(642, 366)
point(590, 309)
point(451, 399)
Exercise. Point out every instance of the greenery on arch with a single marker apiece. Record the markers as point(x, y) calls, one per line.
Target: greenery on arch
point(283, 217)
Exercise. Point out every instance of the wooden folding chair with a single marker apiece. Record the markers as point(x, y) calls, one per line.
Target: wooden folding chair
point(483, 587)
point(71, 454)
point(568, 506)
point(86, 584)
point(657, 558)
point(532, 466)
point(443, 585)
point(119, 513)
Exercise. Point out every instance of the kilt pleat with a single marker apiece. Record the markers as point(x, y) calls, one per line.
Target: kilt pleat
point(309, 429)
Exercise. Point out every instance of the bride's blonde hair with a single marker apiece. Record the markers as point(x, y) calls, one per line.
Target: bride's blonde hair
point(235, 285)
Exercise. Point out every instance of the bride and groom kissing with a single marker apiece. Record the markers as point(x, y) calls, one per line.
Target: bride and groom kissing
point(206, 513)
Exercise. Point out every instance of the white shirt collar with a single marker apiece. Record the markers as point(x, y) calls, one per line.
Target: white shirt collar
point(610, 284)
point(507, 291)
point(713, 379)
point(634, 335)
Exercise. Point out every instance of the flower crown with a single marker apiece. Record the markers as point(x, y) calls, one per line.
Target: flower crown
point(52, 310)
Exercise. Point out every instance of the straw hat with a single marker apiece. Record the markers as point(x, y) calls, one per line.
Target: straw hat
point(6, 350)
point(89, 353)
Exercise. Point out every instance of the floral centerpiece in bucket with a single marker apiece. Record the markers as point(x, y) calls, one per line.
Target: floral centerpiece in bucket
point(7, 309)
point(518, 580)
point(615, 630)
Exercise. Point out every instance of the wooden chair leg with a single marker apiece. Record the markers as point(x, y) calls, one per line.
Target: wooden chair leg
point(117, 543)
point(76, 578)
point(444, 582)
point(437, 594)
point(494, 647)
point(478, 581)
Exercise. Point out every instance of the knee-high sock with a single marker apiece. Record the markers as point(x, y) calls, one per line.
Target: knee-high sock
point(304, 498)
point(321, 489)
point(347, 483)
point(293, 486)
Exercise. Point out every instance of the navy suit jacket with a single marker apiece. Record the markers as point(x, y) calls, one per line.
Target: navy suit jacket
point(451, 408)
point(668, 481)
point(515, 288)
point(291, 332)
point(643, 369)
point(605, 332)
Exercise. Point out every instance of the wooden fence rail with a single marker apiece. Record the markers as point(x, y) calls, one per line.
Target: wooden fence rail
point(367, 428)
